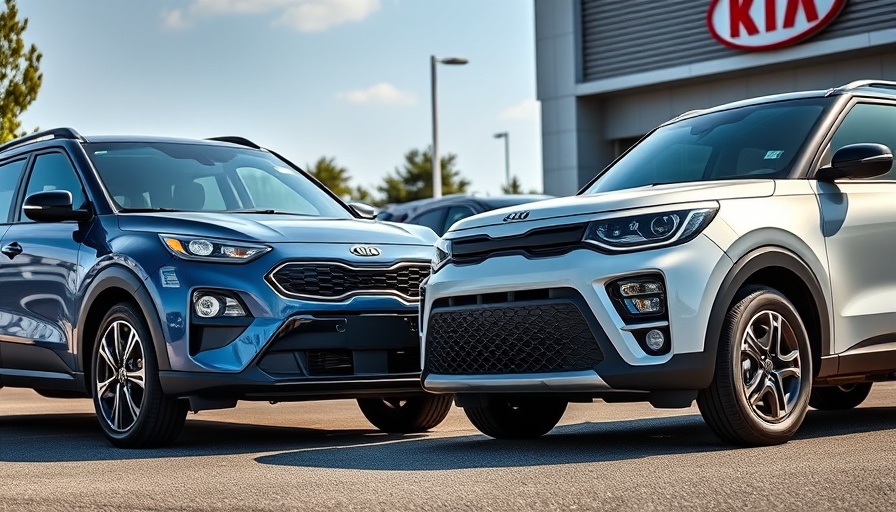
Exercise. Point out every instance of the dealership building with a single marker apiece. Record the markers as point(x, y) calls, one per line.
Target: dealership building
point(608, 71)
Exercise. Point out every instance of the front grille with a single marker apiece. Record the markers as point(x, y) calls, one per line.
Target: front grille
point(335, 281)
point(548, 241)
point(537, 337)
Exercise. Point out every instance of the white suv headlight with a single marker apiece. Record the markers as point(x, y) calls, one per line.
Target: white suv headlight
point(648, 230)
point(442, 254)
point(210, 249)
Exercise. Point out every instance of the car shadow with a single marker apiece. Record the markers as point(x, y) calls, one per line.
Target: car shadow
point(76, 438)
point(568, 444)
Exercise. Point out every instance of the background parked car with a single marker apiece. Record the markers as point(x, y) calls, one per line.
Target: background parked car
point(440, 214)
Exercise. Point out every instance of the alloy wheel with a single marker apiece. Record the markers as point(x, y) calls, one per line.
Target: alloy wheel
point(120, 376)
point(770, 362)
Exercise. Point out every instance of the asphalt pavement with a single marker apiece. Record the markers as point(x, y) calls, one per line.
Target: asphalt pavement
point(325, 456)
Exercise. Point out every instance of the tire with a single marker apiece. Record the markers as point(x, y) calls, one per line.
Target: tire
point(759, 396)
point(125, 371)
point(406, 415)
point(838, 398)
point(507, 418)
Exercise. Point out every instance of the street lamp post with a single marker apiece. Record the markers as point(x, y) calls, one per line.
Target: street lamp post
point(436, 162)
point(506, 137)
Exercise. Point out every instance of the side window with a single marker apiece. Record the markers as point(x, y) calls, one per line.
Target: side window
point(867, 122)
point(10, 173)
point(53, 171)
point(455, 213)
point(433, 219)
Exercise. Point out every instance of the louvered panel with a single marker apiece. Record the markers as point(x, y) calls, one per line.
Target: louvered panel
point(622, 37)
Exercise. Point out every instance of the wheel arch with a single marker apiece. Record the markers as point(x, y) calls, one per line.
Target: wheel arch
point(777, 268)
point(113, 285)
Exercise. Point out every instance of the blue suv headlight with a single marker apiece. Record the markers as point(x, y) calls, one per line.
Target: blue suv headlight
point(648, 230)
point(210, 249)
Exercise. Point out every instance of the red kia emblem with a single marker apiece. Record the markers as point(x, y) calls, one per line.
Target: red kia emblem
point(769, 24)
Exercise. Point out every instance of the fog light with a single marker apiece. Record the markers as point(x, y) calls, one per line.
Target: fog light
point(644, 306)
point(655, 340)
point(208, 306)
point(631, 289)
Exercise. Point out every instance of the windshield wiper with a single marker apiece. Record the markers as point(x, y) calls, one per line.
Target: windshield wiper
point(144, 210)
point(268, 211)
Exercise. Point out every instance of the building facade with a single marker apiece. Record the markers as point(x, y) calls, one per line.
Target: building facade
point(608, 71)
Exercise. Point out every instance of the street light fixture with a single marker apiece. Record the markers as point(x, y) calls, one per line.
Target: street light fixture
point(506, 137)
point(436, 162)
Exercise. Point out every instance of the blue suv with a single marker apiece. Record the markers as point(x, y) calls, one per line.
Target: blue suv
point(160, 275)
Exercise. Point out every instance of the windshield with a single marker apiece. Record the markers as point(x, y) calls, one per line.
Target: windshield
point(164, 176)
point(759, 141)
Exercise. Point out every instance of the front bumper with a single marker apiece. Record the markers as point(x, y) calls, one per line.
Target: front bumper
point(692, 274)
point(364, 345)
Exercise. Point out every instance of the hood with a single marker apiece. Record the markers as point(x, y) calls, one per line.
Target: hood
point(641, 197)
point(277, 228)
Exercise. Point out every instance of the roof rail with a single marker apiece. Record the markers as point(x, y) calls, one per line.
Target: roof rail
point(858, 84)
point(242, 141)
point(55, 133)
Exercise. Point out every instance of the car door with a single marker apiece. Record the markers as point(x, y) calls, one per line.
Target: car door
point(859, 225)
point(39, 280)
point(10, 175)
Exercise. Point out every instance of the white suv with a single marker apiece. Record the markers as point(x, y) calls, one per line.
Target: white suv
point(741, 255)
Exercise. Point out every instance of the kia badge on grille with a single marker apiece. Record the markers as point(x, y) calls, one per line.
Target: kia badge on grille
point(365, 250)
point(523, 215)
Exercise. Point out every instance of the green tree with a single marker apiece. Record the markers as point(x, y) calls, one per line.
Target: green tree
point(514, 187)
point(20, 76)
point(414, 179)
point(335, 178)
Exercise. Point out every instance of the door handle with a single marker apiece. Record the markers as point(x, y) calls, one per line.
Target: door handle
point(12, 250)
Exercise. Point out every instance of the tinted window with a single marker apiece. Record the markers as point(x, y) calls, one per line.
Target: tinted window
point(757, 141)
point(9, 180)
point(206, 177)
point(433, 219)
point(53, 171)
point(455, 213)
point(867, 123)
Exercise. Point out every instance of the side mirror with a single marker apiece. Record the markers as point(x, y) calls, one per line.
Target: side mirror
point(857, 161)
point(53, 206)
point(364, 210)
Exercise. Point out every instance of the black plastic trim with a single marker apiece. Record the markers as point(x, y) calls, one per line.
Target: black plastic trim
point(743, 269)
point(120, 277)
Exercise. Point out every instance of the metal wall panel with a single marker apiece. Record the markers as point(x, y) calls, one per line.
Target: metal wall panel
point(622, 37)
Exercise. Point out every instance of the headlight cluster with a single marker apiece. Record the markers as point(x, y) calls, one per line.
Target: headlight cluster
point(208, 249)
point(442, 254)
point(648, 230)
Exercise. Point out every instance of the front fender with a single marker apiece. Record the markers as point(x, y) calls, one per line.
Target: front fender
point(127, 279)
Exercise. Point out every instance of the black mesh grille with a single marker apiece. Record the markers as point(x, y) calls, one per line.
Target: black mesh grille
point(331, 281)
point(520, 338)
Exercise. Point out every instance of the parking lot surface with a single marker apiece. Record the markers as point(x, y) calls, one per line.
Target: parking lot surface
point(324, 456)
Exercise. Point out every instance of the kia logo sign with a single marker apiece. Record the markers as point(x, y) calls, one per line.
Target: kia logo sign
point(516, 216)
point(365, 250)
point(769, 24)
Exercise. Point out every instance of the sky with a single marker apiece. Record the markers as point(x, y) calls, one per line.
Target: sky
point(348, 79)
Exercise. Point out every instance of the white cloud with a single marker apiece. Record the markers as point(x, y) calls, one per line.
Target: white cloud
point(174, 20)
point(527, 110)
point(382, 94)
point(319, 15)
point(301, 15)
